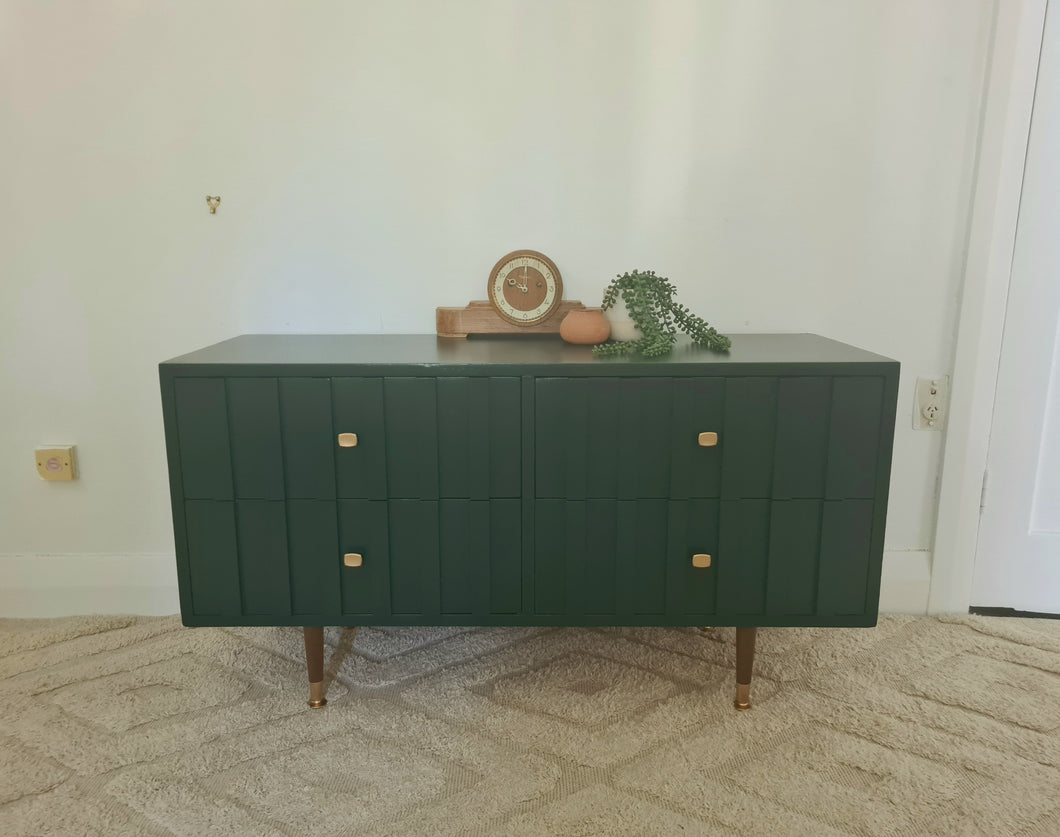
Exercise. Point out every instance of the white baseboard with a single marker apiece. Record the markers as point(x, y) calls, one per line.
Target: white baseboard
point(39, 586)
point(906, 581)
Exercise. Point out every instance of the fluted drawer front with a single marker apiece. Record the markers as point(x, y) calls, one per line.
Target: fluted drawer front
point(785, 438)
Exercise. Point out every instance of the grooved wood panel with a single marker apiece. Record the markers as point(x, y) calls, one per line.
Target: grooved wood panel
point(479, 437)
point(308, 438)
point(750, 435)
point(803, 406)
point(312, 531)
point(699, 407)
point(357, 404)
point(411, 438)
point(794, 544)
point(364, 529)
point(254, 427)
point(212, 551)
point(854, 443)
point(414, 557)
point(743, 556)
point(202, 424)
point(603, 437)
point(263, 564)
point(600, 556)
point(480, 553)
point(693, 529)
point(846, 532)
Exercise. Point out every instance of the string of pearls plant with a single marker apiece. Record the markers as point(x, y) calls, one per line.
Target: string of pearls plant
point(650, 302)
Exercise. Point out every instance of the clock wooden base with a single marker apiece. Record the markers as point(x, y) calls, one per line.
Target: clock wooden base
point(481, 318)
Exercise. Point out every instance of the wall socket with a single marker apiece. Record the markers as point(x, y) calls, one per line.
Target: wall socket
point(57, 462)
point(932, 402)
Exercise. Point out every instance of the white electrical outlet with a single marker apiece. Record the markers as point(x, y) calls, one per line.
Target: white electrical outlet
point(931, 405)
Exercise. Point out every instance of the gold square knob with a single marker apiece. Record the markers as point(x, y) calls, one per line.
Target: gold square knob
point(352, 559)
point(700, 561)
point(708, 440)
point(347, 440)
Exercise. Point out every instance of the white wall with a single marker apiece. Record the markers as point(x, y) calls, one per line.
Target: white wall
point(791, 166)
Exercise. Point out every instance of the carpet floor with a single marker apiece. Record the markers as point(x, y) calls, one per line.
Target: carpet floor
point(129, 725)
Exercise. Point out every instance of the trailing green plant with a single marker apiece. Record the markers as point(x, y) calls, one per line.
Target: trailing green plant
point(650, 302)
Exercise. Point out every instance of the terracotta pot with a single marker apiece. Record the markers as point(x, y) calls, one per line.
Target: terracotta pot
point(622, 326)
point(585, 327)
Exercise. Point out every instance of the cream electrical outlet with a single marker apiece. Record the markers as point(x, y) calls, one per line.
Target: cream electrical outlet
point(931, 403)
point(57, 462)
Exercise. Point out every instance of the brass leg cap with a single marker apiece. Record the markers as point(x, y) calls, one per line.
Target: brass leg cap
point(316, 695)
point(743, 696)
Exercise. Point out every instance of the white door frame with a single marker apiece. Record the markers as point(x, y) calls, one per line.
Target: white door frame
point(1012, 72)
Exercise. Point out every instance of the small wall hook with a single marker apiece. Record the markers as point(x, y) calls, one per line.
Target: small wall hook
point(213, 203)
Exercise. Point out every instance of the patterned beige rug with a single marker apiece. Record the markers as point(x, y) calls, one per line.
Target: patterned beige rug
point(126, 725)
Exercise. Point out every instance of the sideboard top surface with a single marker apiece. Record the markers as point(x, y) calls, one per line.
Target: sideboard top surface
point(319, 352)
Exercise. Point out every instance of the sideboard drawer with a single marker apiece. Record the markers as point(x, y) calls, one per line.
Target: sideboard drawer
point(769, 559)
point(773, 437)
point(415, 438)
point(627, 438)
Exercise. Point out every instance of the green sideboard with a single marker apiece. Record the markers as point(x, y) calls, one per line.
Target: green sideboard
point(414, 480)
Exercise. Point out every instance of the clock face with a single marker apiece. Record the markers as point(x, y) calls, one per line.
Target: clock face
point(525, 287)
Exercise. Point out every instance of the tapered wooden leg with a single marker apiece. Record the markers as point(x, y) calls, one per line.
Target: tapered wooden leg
point(745, 659)
point(314, 661)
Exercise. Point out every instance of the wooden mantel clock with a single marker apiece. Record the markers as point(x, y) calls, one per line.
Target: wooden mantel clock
point(525, 292)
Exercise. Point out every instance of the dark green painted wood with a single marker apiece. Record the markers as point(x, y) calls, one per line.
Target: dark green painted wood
point(313, 546)
point(640, 557)
point(479, 437)
point(505, 437)
point(529, 492)
point(881, 493)
point(803, 407)
point(211, 528)
point(743, 557)
point(645, 434)
point(480, 553)
point(205, 456)
point(263, 566)
point(505, 552)
point(411, 438)
point(254, 426)
point(308, 438)
point(561, 438)
point(587, 562)
point(550, 551)
point(794, 545)
point(357, 407)
point(176, 493)
point(334, 355)
point(464, 556)
point(592, 581)
point(748, 439)
point(600, 438)
point(854, 445)
point(699, 407)
point(693, 529)
point(600, 556)
point(846, 529)
point(606, 438)
point(414, 558)
point(364, 529)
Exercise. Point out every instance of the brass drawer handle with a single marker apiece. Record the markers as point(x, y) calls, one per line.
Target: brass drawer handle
point(347, 440)
point(352, 559)
point(700, 561)
point(708, 440)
